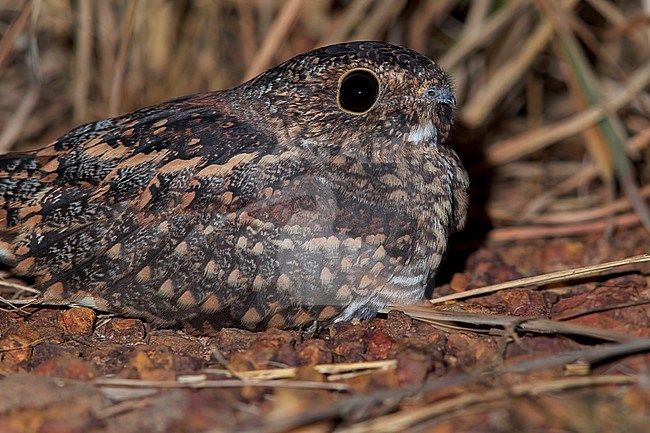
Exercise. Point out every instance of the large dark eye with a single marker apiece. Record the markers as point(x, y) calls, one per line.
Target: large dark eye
point(358, 91)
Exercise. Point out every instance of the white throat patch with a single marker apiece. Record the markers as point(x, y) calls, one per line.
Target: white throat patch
point(425, 132)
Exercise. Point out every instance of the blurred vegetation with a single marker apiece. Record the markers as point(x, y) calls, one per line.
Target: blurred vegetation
point(553, 96)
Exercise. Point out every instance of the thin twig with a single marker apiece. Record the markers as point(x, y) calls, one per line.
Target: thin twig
point(551, 277)
point(228, 383)
point(539, 232)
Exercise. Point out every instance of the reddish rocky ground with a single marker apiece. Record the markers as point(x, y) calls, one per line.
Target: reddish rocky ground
point(69, 370)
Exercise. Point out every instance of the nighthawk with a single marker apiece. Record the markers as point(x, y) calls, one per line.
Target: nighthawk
point(322, 190)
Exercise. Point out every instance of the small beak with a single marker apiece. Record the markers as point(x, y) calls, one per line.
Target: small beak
point(442, 96)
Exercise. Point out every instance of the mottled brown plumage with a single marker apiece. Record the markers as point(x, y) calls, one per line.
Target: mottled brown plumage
point(294, 197)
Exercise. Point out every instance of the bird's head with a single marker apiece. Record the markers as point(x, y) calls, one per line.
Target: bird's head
point(370, 101)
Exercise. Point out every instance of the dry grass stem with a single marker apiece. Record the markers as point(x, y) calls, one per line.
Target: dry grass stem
point(506, 234)
point(228, 383)
point(507, 325)
point(14, 126)
point(16, 27)
point(551, 277)
point(120, 64)
point(274, 38)
point(83, 60)
point(328, 369)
